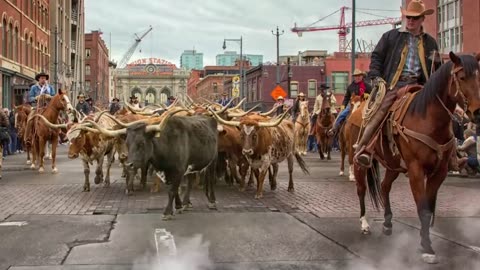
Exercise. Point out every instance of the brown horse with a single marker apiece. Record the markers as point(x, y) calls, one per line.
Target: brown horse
point(324, 123)
point(424, 141)
point(44, 131)
point(302, 127)
point(347, 136)
point(21, 115)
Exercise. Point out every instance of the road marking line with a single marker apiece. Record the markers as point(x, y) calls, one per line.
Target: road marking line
point(14, 223)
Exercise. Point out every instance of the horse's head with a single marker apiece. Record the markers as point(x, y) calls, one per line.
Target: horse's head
point(304, 109)
point(465, 86)
point(61, 102)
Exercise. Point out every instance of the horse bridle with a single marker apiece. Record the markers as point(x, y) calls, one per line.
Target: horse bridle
point(454, 79)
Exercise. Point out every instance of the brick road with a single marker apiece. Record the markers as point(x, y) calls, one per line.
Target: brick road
point(322, 193)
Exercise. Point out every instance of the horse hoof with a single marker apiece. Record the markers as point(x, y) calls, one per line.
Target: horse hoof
point(98, 180)
point(167, 217)
point(54, 170)
point(429, 258)
point(341, 173)
point(41, 170)
point(128, 192)
point(212, 206)
point(258, 196)
point(32, 167)
point(273, 187)
point(387, 231)
point(49, 157)
point(86, 189)
point(179, 211)
point(351, 178)
point(29, 162)
point(291, 189)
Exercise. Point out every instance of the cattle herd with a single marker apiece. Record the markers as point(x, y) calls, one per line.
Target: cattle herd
point(185, 140)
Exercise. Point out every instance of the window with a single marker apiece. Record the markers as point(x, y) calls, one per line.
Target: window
point(16, 46)
point(215, 87)
point(87, 70)
point(452, 37)
point(439, 14)
point(445, 39)
point(293, 89)
point(340, 81)
point(87, 53)
point(10, 41)
point(26, 51)
point(32, 56)
point(312, 88)
point(87, 85)
point(457, 36)
point(450, 11)
point(439, 40)
point(4, 38)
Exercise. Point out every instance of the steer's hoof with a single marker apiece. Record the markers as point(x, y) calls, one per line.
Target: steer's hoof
point(387, 231)
point(32, 167)
point(429, 258)
point(29, 162)
point(167, 217)
point(106, 184)
point(55, 170)
point(98, 179)
point(258, 196)
point(366, 231)
point(212, 206)
point(341, 173)
point(86, 188)
point(41, 170)
point(291, 189)
point(179, 211)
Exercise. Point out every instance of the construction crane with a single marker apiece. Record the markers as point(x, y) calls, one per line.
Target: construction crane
point(344, 28)
point(131, 50)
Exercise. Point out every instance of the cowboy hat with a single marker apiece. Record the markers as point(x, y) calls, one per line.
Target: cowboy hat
point(80, 96)
point(279, 97)
point(41, 74)
point(171, 98)
point(133, 97)
point(115, 99)
point(416, 8)
point(224, 94)
point(88, 99)
point(301, 94)
point(323, 86)
point(358, 72)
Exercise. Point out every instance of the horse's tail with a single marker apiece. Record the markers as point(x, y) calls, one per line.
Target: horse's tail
point(373, 183)
point(301, 163)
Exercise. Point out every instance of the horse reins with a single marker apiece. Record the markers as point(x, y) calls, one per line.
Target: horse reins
point(454, 79)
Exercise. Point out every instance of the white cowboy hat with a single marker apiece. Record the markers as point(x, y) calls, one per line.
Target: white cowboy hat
point(279, 97)
point(358, 72)
point(301, 94)
point(416, 8)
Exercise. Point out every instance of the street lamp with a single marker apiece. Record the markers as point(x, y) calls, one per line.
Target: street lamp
point(278, 34)
point(242, 94)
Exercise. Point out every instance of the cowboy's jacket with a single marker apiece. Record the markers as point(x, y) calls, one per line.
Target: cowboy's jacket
point(389, 56)
point(354, 88)
point(37, 90)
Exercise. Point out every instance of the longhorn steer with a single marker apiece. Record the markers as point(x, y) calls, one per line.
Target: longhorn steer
point(178, 146)
point(267, 142)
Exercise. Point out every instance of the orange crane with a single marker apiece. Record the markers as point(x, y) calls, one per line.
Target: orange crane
point(344, 28)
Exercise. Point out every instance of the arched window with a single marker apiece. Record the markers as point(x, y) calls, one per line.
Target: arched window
point(4, 38)
point(16, 45)
point(25, 7)
point(40, 56)
point(30, 10)
point(37, 56)
point(10, 41)
point(32, 55)
point(25, 61)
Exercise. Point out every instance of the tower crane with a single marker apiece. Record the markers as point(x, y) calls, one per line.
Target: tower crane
point(131, 50)
point(343, 28)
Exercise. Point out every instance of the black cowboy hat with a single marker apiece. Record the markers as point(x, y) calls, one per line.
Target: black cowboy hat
point(324, 86)
point(41, 74)
point(133, 97)
point(171, 97)
point(115, 99)
point(88, 99)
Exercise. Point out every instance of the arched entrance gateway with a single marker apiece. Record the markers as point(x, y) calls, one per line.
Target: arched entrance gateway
point(150, 96)
point(164, 94)
point(138, 93)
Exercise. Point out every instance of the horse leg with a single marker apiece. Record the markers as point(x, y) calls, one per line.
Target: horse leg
point(34, 154)
point(48, 150)
point(417, 177)
point(329, 147)
point(360, 176)
point(304, 142)
point(41, 154)
point(320, 148)
point(54, 154)
point(343, 153)
point(387, 182)
point(86, 171)
point(27, 149)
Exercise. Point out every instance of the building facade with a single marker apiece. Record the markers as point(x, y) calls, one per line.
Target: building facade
point(67, 25)
point(229, 58)
point(152, 80)
point(96, 68)
point(111, 80)
point(191, 59)
point(24, 47)
point(211, 87)
point(455, 24)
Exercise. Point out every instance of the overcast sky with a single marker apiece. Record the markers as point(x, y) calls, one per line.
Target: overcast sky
point(186, 24)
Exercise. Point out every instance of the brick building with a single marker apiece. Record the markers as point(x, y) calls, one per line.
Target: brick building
point(24, 47)
point(96, 68)
point(211, 87)
point(455, 24)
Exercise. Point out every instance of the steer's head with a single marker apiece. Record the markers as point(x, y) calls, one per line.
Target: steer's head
point(140, 145)
point(254, 136)
point(77, 141)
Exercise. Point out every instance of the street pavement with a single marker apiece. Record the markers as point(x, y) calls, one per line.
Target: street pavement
point(47, 222)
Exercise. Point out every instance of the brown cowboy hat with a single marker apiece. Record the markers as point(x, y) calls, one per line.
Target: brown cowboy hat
point(80, 96)
point(301, 94)
point(358, 72)
point(41, 74)
point(416, 8)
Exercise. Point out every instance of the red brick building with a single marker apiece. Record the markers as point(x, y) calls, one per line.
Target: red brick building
point(24, 47)
point(195, 76)
point(211, 87)
point(455, 24)
point(96, 68)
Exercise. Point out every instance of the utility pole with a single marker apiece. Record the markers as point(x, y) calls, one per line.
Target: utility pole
point(353, 36)
point(289, 72)
point(55, 63)
point(278, 34)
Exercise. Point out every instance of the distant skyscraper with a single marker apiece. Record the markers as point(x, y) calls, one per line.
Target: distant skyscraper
point(191, 59)
point(228, 58)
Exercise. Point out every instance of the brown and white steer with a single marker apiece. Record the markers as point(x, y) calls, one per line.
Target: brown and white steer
point(267, 142)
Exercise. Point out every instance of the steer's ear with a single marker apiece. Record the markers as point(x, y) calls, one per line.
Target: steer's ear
point(221, 130)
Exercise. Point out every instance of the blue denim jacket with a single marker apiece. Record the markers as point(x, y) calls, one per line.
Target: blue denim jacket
point(36, 91)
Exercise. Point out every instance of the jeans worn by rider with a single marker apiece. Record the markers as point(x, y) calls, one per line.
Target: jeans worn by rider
point(401, 59)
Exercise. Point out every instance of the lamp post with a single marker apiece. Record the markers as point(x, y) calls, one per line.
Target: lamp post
point(278, 34)
point(242, 94)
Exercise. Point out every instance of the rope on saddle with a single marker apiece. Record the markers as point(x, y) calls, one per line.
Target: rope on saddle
point(374, 101)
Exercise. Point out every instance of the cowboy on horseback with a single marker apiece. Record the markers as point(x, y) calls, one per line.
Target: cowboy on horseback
point(358, 87)
point(402, 57)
